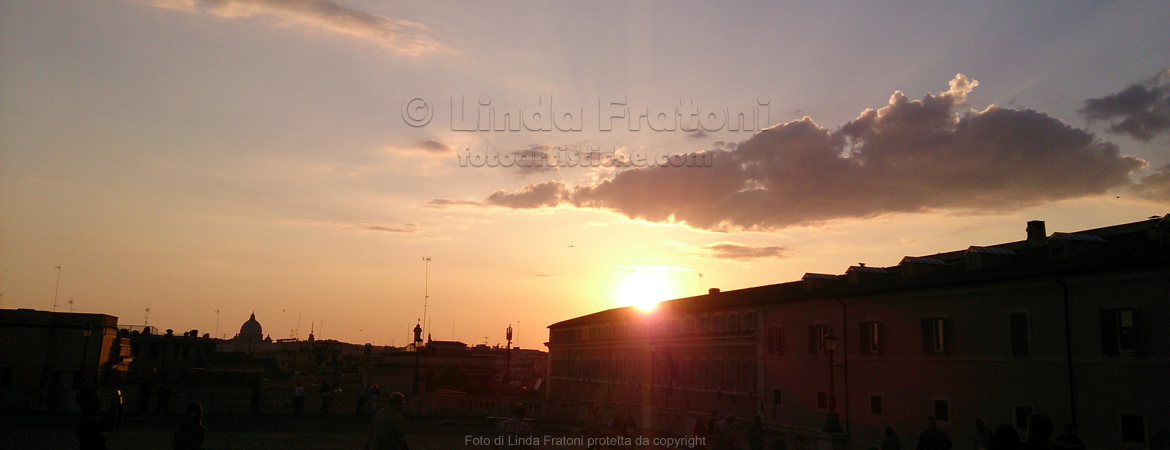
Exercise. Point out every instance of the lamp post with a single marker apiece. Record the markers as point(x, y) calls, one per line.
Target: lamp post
point(87, 331)
point(417, 353)
point(508, 357)
point(832, 421)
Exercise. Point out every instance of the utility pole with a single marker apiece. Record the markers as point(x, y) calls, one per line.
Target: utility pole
point(216, 323)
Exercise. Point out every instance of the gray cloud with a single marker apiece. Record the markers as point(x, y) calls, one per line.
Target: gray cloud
point(433, 147)
point(404, 228)
point(1155, 185)
point(535, 159)
point(397, 35)
point(1141, 110)
point(909, 156)
point(731, 250)
point(443, 203)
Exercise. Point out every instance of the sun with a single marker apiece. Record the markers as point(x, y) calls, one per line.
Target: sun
point(644, 290)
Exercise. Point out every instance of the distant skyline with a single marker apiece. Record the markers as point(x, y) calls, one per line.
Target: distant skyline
point(251, 155)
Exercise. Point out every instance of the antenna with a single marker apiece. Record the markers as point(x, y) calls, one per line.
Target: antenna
point(57, 288)
point(146, 320)
point(700, 283)
point(217, 322)
point(70, 305)
point(426, 287)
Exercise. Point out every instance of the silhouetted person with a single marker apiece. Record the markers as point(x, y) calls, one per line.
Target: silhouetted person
point(596, 429)
point(299, 399)
point(756, 434)
point(1006, 438)
point(163, 405)
point(891, 441)
point(326, 397)
point(191, 432)
point(933, 438)
point(1039, 432)
point(1068, 440)
point(388, 429)
point(90, 427)
point(983, 437)
point(55, 391)
point(257, 398)
point(144, 398)
point(700, 428)
point(781, 443)
point(363, 397)
point(514, 428)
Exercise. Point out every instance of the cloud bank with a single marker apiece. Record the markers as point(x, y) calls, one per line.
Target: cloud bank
point(908, 156)
point(400, 36)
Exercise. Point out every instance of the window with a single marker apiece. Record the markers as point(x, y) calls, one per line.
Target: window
point(1119, 332)
point(942, 410)
point(749, 321)
point(822, 400)
point(816, 339)
point(1019, 334)
point(871, 338)
point(733, 322)
point(1023, 417)
point(717, 323)
point(936, 333)
point(704, 324)
point(774, 336)
point(1133, 428)
point(875, 404)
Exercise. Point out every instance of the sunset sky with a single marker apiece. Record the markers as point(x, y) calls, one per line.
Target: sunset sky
point(190, 156)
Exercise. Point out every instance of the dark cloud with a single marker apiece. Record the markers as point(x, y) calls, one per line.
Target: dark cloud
point(909, 156)
point(697, 134)
point(1141, 110)
point(731, 250)
point(433, 147)
point(443, 203)
point(535, 159)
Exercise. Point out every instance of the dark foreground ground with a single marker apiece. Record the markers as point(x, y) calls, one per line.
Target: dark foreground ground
point(21, 432)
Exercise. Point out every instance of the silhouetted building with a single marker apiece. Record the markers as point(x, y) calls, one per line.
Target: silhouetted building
point(45, 356)
point(1073, 326)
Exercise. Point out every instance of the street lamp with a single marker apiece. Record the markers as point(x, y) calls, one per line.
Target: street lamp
point(87, 331)
point(832, 421)
point(508, 357)
point(417, 354)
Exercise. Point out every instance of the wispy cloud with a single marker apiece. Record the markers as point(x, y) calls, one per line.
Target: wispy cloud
point(375, 227)
point(400, 36)
point(443, 203)
point(650, 269)
point(731, 250)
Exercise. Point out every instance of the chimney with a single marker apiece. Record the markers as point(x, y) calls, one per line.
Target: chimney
point(1036, 234)
point(713, 291)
